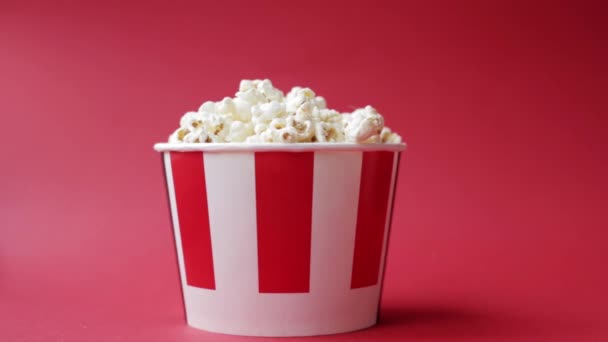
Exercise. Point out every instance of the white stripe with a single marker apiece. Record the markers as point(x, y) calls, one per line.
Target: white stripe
point(230, 182)
point(388, 217)
point(337, 177)
point(176, 230)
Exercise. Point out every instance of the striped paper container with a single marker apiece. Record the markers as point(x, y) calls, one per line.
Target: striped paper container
point(281, 239)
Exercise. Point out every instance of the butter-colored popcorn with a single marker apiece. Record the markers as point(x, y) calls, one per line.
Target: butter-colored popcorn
point(260, 113)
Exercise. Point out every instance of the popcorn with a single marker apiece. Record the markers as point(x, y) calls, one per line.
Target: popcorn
point(242, 110)
point(265, 112)
point(201, 127)
point(258, 91)
point(260, 113)
point(388, 137)
point(303, 127)
point(364, 126)
point(226, 106)
point(299, 96)
point(330, 127)
point(320, 102)
point(239, 131)
point(208, 106)
point(271, 93)
point(286, 134)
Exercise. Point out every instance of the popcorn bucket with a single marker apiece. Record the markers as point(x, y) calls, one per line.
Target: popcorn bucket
point(281, 239)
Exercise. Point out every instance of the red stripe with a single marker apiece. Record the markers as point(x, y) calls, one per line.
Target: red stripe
point(374, 190)
point(191, 196)
point(283, 183)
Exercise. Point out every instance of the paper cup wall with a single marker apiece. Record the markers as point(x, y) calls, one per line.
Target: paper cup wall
point(281, 240)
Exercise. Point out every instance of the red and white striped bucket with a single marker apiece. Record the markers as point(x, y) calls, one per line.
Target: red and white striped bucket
point(281, 240)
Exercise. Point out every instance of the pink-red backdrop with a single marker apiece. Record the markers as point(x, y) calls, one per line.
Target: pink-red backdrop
point(500, 221)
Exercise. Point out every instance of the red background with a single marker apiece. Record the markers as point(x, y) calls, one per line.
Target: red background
point(500, 222)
